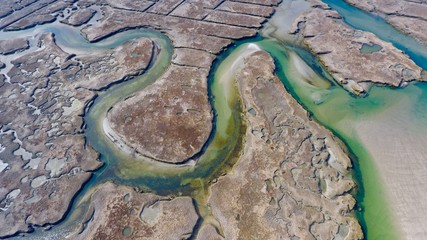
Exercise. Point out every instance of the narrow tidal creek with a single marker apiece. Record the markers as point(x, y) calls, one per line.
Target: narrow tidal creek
point(385, 131)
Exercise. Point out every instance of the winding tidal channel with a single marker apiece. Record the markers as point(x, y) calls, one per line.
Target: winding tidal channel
point(385, 131)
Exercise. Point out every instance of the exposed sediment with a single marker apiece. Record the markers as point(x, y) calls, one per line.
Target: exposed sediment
point(175, 112)
point(118, 212)
point(79, 17)
point(41, 133)
point(167, 124)
point(292, 179)
point(127, 60)
point(408, 16)
point(345, 55)
point(35, 13)
point(51, 88)
point(13, 45)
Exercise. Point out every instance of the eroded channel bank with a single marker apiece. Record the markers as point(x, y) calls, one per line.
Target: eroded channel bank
point(121, 168)
point(362, 20)
point(384, 131)
point(59, 85)
point(381, 129)
point(321, 98)
point(393, 137)
point(336, 109)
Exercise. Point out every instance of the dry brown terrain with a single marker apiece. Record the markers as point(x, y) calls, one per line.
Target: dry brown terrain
point(292, 180)
point(344, 57)
point(44, 92)
point(409, 16)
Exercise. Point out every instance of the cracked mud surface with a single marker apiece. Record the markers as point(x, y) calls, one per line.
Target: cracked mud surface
point(45, 90)
point(118, 212)
point(43, 145)
point(177, 113)
point(292, 180)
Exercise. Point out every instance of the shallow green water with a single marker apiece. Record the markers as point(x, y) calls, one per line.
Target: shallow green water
point(366, 48)
point(168, 178)
point(336, 109)
point(218, 157)
point(330, 105)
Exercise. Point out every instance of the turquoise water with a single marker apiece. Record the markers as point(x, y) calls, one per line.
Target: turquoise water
point(158, 177)
point(330, 105)
point(336, 110)
point(362, 20)
point(392, 139)
point(383, 109)
point(70, 38)
point(370, 48)
point(221, 153)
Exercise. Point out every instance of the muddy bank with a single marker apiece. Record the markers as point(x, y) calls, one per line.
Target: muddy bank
point(410, 17)
point(292, 179)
